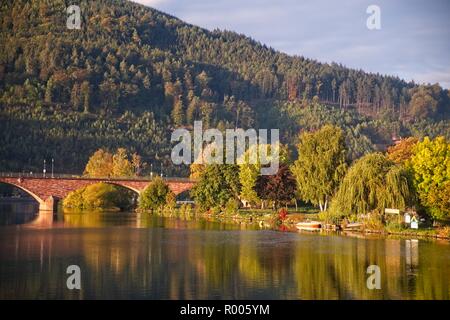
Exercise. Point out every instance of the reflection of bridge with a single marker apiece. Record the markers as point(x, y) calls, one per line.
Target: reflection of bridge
point(48, 190)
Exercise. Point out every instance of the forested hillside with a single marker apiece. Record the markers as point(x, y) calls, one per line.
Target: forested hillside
point(132, 73)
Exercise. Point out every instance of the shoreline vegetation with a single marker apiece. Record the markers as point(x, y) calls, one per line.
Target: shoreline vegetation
point(269, 219)
point(411, 177)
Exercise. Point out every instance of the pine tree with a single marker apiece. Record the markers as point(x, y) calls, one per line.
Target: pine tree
point(75, 96)
point(85, 91)
point(178, 113)
point(49, 91)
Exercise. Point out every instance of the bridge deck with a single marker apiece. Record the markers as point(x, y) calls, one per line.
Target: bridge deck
point(81, 177)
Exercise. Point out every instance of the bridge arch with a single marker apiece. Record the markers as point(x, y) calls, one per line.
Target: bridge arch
point(184, 195)
point(118, 184)
point(29, 192)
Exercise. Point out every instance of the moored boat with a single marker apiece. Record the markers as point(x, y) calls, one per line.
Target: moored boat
point(309, 225)
point(353, 226)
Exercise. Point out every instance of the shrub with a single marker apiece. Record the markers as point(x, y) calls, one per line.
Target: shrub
point(154, 197)
point(282, 214)
point(330, 217)
point(74, 199)
point(185, 211)
point(444, 232)
point(231, 207)
point(374, 221)
point(101, 196)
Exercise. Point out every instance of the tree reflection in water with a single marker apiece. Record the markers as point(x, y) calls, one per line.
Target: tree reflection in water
point(129, 256)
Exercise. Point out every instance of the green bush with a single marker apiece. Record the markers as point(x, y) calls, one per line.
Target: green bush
point(185, 211)
point(231, 207)
point(154, 197)
point(102, 196)
point(330, 217)
point(74, 199)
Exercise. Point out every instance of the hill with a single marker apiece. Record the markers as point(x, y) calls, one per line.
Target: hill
point(132, 73)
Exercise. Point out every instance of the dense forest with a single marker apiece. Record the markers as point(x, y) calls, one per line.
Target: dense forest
point(131, 74)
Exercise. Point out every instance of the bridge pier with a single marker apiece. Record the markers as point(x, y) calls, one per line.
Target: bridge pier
point(50, 204)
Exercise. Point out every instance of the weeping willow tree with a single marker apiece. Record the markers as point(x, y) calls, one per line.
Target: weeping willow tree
point(373, 183)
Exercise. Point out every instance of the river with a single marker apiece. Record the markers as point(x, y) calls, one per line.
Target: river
point(131, 256)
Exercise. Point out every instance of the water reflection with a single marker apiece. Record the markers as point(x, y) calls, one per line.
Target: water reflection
point(14, 212)
point(131, 256)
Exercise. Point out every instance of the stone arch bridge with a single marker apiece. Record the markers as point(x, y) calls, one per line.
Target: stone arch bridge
point(49, 190)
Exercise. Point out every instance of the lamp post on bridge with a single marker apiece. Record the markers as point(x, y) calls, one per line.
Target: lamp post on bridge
point(151, 171)
point(161, 169)
point(44, 170)
point(53, 161)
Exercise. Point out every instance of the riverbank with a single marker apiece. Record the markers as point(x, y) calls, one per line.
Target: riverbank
point(269, 219)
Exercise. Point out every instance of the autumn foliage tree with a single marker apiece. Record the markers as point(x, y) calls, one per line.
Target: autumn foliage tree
point(424, 101)
point(100, 164)
point(431, 166)
point(279, 188)
point(122, 166)
point(249, 169)
point(104, 164)
point(402, 151)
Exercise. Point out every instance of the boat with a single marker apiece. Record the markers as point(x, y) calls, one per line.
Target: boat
point(353, 226)
point(309, 225)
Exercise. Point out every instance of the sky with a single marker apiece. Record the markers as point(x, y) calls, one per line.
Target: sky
point(413, 41)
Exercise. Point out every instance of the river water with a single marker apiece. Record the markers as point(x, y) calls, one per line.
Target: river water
point(130, 256)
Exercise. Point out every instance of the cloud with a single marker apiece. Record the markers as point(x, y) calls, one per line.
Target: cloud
point(440, 76)
point(410, 44)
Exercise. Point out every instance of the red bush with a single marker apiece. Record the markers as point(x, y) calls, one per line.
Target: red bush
point(282, 214)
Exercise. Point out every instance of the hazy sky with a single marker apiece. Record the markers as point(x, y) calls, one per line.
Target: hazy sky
point(413, 42)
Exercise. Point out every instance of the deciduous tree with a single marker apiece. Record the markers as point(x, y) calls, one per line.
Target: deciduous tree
point(155, 195)
point(218, 184)
point(279, 188)
point(100, 164)
point(403, 151)
point(122, 166)
point(373, 183)
point(431, 166)
point(321, 164)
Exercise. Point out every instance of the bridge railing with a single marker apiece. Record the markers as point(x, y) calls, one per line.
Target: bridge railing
point(81, 177)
